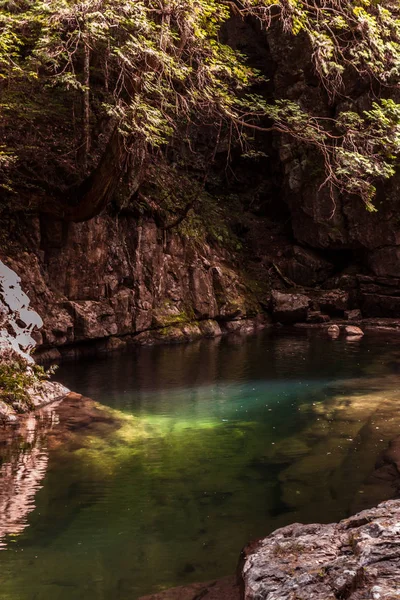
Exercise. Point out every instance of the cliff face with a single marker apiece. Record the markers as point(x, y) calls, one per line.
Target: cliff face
point(124, 280)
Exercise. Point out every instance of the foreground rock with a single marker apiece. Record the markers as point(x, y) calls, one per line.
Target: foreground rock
point(356, 559)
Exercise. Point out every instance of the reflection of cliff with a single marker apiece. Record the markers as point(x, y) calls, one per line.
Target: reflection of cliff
point(23, 460)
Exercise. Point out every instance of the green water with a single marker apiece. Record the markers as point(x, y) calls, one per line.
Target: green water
point(203, 447)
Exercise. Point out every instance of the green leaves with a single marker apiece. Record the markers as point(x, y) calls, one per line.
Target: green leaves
point(159, 73)
point(16, 378)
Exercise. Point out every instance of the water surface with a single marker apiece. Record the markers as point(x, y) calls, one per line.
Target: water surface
point(202, 448)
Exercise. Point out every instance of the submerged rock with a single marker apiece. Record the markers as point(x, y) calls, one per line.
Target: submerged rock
point(222, 589)
point(356, 559)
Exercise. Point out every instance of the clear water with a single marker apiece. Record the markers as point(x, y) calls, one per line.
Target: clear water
point(203, 447)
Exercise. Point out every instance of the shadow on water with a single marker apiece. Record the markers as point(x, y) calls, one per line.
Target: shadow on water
point(191, 452)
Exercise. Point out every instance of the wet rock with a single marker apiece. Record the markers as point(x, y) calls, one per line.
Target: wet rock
point(380, 305)
point(351, 330)
point(289, 308)
point(241, 326)
point(355, 559)
point(210, 328)
point(333, 330)
point(7, 414)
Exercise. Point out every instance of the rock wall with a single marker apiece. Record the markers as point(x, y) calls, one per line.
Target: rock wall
point(114, 281)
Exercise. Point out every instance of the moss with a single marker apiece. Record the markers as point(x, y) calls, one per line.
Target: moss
point(16, 377)
point(168, 319)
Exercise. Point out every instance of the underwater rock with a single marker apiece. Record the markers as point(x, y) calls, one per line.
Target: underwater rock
point(355, 559)
point(222, 589)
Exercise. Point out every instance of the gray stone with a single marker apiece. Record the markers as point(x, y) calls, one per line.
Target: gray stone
point(356, 559)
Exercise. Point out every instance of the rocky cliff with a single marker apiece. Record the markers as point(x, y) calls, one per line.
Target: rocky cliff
point(113, 281)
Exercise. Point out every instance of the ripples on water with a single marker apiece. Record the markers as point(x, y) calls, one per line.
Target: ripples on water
point(203, 447)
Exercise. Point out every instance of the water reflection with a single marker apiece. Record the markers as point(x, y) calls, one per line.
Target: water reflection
point(24, 459)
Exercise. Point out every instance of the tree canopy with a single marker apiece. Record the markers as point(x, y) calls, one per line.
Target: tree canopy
point(97, 96)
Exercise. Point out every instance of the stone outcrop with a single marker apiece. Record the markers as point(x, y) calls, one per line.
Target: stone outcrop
point(356, 559)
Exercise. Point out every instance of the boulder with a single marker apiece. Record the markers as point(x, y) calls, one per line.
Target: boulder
point(334, 302)
point(351, 330)
point(356, 559)
point(289, 308)
point(333, 330)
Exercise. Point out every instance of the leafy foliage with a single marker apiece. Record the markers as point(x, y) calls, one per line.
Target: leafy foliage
point(358, 40)
point(16, 378)
point(156, 72)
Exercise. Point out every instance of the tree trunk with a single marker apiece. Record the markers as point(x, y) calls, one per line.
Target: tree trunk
point(97, 190)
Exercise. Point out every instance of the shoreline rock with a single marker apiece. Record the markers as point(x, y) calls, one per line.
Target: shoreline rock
point(48, 392)
point(355, 559)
